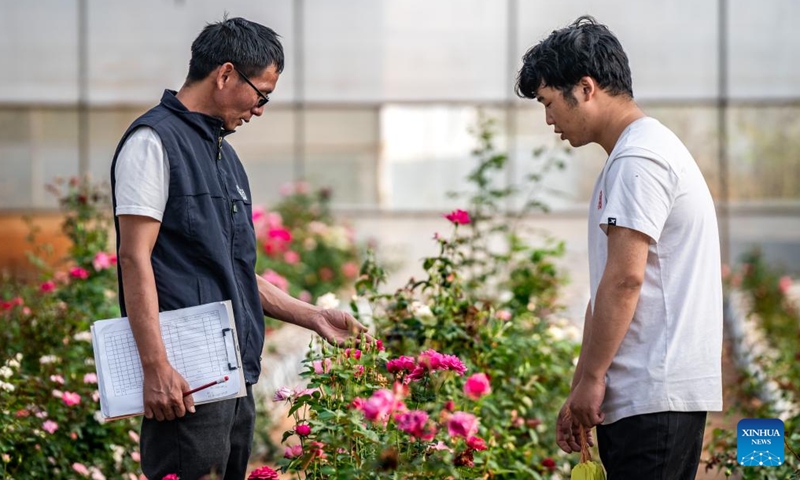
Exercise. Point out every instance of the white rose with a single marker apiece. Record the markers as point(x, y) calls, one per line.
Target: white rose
point(45, 359)
point(420, 310)
point(83, 336)
point(6, 372)
point(99, 418)
point(328, 301)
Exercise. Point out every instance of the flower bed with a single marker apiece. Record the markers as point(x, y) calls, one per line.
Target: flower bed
point(764, 323)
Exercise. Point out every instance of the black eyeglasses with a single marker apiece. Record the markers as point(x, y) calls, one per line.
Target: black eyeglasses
point(264, 98)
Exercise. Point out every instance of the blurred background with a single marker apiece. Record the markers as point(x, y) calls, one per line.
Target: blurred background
point(378, 97)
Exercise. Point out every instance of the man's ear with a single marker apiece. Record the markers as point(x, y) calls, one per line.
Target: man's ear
point(587, 88)
point(223, 75)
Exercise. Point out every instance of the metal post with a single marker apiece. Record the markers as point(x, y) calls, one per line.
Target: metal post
point(299, 163)
point(83, 88)
point(511, 116)
point(722, 124)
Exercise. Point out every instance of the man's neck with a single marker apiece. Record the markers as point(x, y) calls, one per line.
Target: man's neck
point(618, 116)
point(193, 97)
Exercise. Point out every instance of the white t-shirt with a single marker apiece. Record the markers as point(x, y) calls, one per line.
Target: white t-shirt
point(142, 175)
point(671, 356)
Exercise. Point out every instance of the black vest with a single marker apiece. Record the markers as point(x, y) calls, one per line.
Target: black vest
point(206, 247)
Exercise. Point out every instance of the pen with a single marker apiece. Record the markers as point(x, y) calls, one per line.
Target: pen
point(209, 384)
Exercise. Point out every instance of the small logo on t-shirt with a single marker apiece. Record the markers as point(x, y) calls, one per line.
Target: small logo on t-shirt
point(241, 192)
point(612, 221)
point(600, 201)
point(759, 442)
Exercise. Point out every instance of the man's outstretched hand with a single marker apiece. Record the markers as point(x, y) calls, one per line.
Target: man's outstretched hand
point(337, 327)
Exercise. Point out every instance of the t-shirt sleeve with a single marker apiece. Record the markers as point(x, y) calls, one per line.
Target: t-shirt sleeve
point(640, 193)
point(142, 175)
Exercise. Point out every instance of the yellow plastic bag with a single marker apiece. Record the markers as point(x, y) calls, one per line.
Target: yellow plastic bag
point(587, 469)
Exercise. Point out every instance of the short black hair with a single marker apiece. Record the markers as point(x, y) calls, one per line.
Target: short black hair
point(584, 48)
point(250, 46)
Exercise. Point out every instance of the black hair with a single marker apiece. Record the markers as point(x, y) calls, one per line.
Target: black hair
point(584, 48)
point(249, 46)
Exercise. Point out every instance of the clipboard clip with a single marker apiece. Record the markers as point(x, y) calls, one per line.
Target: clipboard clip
point(230, 348)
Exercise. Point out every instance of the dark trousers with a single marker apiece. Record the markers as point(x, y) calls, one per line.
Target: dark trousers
point(216, 438)
point(654, 446)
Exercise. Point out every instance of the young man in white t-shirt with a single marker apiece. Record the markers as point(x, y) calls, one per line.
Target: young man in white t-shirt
point(650, 362)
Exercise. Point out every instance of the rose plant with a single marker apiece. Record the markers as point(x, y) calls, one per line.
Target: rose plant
point(366, 415)
point(385, 413)
point(50, 426)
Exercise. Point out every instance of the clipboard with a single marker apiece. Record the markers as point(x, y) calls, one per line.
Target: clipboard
point(201, 343)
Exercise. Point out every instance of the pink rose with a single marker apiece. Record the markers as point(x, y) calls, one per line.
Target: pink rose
point(785, 284)
point(476, 443)
point(258, 213)
point(78, 272)
point(47, 286)
point(136, 456)
point(50, 426)
point(503, 315)
point(433, 360)
point(359, 370)
point(307, 391)
point(71, 399)
point(415, 423)
point(280, 234)
point(458, 217)
point(381, 405)
point(302, 430)
point(305, 296)
point(350, 270)
point(462, 424)
point(263, 473)
point(325, 274)
point(293, 452)
point(322, 366)
point(171, 476)
point(283, 394)
point(404, 363)
point(81, 469)
point(352, 353)
point(291, 257)
point(477, 386)
point(302, 187)
point(102, 261)
point(90, 378)
point(57, 379)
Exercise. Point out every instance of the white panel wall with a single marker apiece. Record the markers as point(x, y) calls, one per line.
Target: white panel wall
point(388, 50)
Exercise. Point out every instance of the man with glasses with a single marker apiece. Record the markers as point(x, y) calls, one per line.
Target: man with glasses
point(185, 237)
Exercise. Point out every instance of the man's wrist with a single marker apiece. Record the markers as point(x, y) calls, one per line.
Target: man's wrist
point(154, 362)
point(593, 375)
